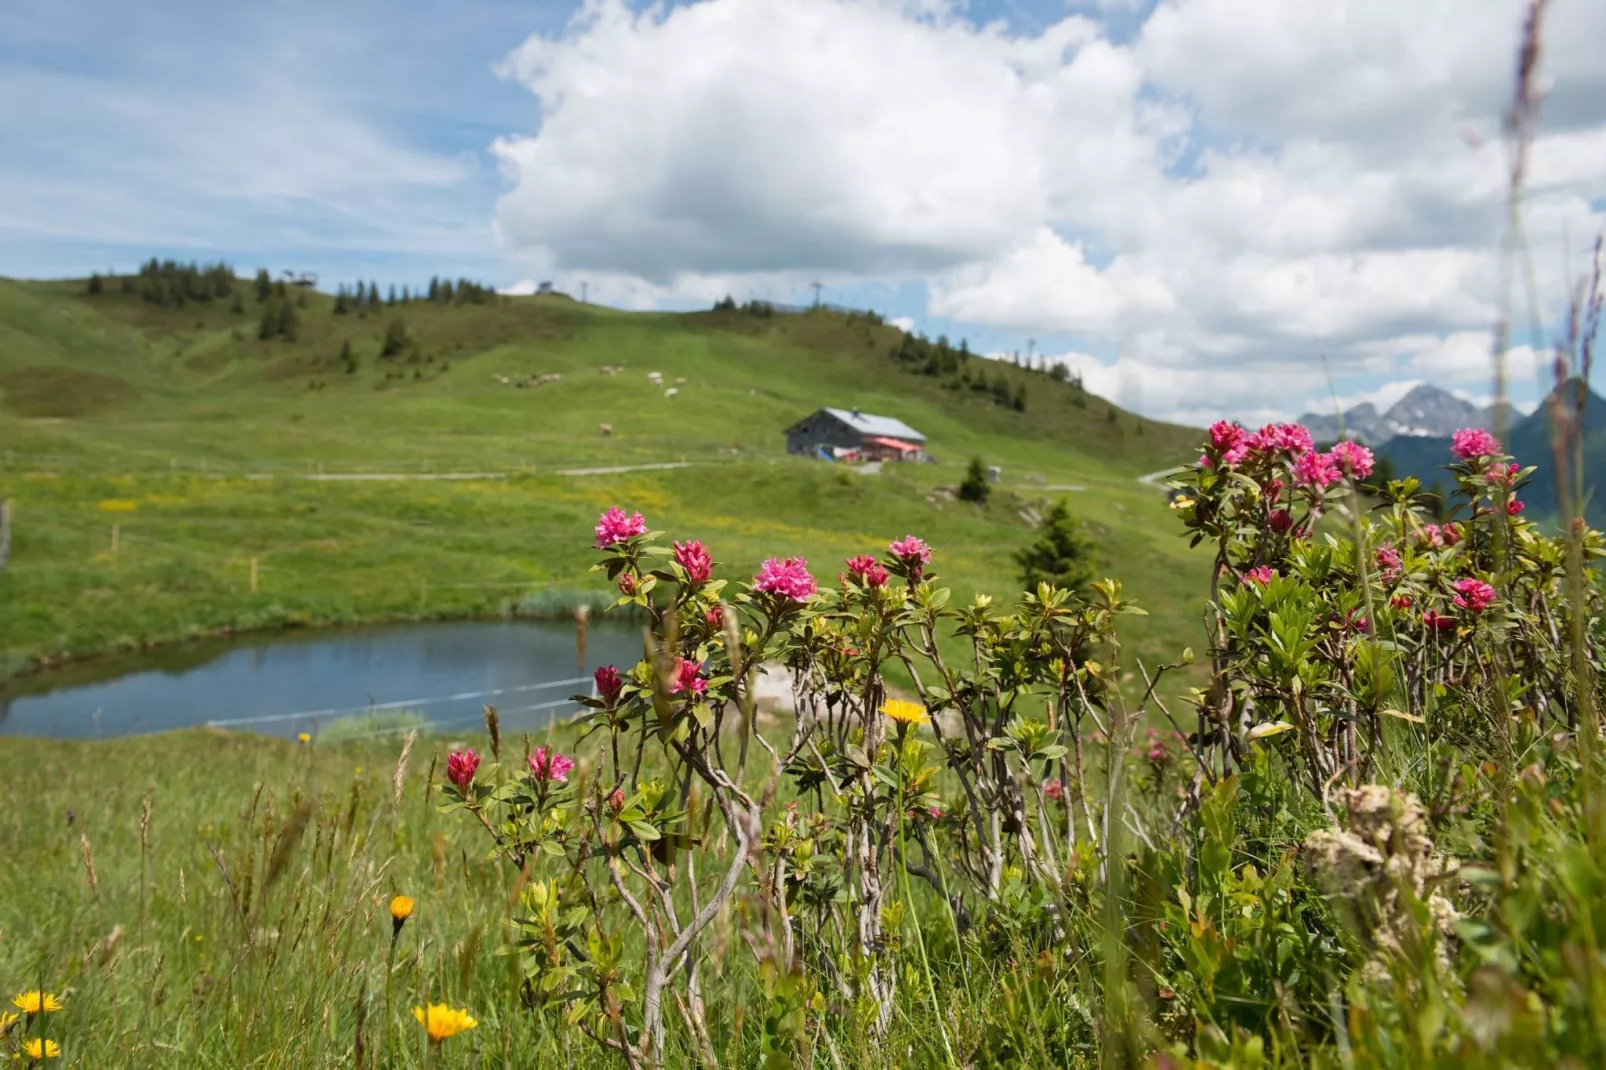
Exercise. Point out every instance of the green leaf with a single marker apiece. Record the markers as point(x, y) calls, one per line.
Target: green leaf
point(644, 830)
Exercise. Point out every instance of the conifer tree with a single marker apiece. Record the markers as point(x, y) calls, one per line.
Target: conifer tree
point(94, 284)
point(264, 285)
point(1062, 554)
point(975, 488)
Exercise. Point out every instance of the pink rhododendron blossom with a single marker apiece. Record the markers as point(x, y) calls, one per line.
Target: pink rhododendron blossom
point(627, 584)
point(1432, 536)
point(1501, 475)
point(715, 618)
point(1054, 790)
point(1438, 621)
point(911, 550)
point(608, 681)
point(1292, 438)
point(1473, 595)
point(1353, 459)
point(1451, 533)
point(550, 768)
point(1316, 470)
point(614, 527)
point(1281, 521)
point(867, 571)
point(788, 577)
point(460, 766)
point(1401, 601)
point(693, 557)
point(687, 678)
point(616, 800)
point(1388, 560)
point(1224, 435)
point(1261, 576)
point(1513, 507)
point(1470, 442)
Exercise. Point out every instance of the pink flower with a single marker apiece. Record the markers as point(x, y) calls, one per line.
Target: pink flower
point(1432, 536)
point(1438, 621)
point(1513, 507)
point(789, 578)
point(1388, 560)
point(627, 584)
point(1054, 790)
point(935, 812)
point(616, 800)
point(1501, 475)
point(460, 766)
point(687, 679)
point(1473, 595)
point(1316, 470)
point(715, 618)
point(1281, 521)
point(1224, 435)
point(911, 550)
point(693, 557)
point(1401, 601)
point(1354, 457)
point(608, 681)
point(553, 767)
point(1260, 576)
point(867, 571)
point(1233, 457)
point(1470, 442)
point(1452, 534)
point(1292, 438)
point(614, 527)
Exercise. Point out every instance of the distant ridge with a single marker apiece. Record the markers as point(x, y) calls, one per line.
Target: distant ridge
point(1427, 411)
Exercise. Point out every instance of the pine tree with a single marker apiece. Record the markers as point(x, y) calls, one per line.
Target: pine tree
point(94, 285)
point(236, 306)
point(392, 298)
point(434, 288)
point(264, 285)
point(289, 321)
point(446, 291)
point(395, 338)
point(1063, 554)
point(340, 300)
point(348, 358)
point(975, 488)
point(271, 317)
point(407, 296)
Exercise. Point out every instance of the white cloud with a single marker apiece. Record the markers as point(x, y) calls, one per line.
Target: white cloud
point(1249, 185)
point(906, 324)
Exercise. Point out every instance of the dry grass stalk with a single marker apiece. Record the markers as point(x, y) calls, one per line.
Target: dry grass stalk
point(89, 866)
point(401, 765)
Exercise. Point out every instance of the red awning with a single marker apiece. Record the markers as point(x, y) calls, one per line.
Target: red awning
point(891, 444)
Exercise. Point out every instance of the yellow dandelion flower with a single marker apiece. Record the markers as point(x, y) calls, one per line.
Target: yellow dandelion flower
point(401, 908)
point(41, 1049)
point(905, 712)
point(304, 737)
point(1181, 502)
point(34, 1001)
point(7, 1020)
point(441, 1021)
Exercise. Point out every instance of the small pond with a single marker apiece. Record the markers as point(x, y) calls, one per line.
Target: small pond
point(337, 683)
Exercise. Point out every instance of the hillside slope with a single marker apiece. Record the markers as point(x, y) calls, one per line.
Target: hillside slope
point(190, 433)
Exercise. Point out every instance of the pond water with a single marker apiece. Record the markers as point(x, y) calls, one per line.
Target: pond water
point(346, 682)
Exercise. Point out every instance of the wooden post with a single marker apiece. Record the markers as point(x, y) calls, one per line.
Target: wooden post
point(253, 575)
point(114, 540)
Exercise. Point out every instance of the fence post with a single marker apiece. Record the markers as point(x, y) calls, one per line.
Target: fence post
point(253, 575)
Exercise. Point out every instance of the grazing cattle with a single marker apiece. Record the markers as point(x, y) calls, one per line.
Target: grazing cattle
point(671, 392)
point(605, 429)
point(655, 378)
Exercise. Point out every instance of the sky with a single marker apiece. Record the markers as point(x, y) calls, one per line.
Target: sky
point(1207, 208)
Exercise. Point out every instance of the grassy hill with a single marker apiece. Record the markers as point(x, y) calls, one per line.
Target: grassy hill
point(194, 436)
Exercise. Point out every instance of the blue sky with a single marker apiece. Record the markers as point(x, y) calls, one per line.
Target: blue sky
point(1191, 202)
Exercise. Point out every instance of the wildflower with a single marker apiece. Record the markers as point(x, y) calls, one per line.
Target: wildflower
point(460, 766)
point(1261, 576)
point(867, 571)
point(788, 577)
point(1473, 595)
point(1436, 620)
point(1451, 533)
point(911, 550)
point(1432, 536)
point(614, 527)
point(33, 1001)
point(1353, 459)
point(687, 678)
point(1401, 601)
point(1501, 475)
point(37, 1049)
point(616, 800)
point(1514, 507)
point(1054, 789)
point(1290, 438)
point(441, 1021)
point(548, 768)
point(693, 557)
point(1471, 442)
point(303, 737)
point(627, 584)
point(7, 1020)
point(1224, 435)
point(1281, 521)
point(401, 908)
point(1181, 501)
point(1388, 560)
point(905, 712)
point(608, 681)
point(1316, 470)
point(715, 618)
point(935, 812)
